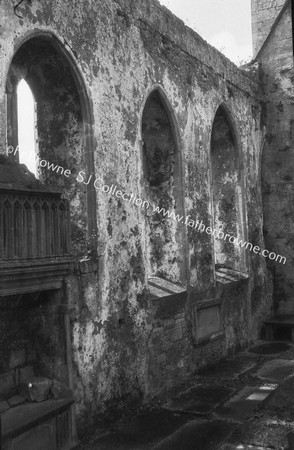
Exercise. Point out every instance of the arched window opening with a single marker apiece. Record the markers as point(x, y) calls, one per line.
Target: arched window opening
point(38, 66)
point(27, 130)
point(159, 146)
point(227, 195)
point(62, 126)
point(162, 175)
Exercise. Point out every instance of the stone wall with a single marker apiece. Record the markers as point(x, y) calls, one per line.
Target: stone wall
point(264, 14)
point(33, 344)
point(169, 343)
point(119, 52)
point(276, 60)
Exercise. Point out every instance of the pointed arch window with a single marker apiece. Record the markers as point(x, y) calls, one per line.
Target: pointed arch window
point(227, 195)
point(27, 130)
point(163, 189)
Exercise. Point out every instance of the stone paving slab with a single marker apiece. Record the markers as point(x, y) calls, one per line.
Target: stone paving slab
point(111, 442)
point(242, 447)
point(246, 356)
point(276, 370)
point(140, 433)
point(241, 405)
point(196, 435)
point(177, 428)
point(270, 348)
point(201, 399)
point(262, 435)
point(229, 369)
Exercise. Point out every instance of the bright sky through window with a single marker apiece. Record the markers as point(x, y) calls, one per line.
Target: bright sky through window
point(26, 126)
point(225, 24)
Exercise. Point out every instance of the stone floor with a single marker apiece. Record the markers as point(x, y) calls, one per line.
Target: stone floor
point(243, 403)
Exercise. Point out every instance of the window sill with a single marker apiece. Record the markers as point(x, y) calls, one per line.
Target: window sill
point(209, 339)
point(158, 287)
point(224, 275)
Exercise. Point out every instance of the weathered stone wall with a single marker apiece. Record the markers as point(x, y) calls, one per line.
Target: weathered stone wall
point(123, 50)
point(264, 14)
point(276, 60)
point(169, 344)
point(33, 342)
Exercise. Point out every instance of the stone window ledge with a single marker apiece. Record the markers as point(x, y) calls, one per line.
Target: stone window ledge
point(209, 339)
point(225, 275)
point(158, 287)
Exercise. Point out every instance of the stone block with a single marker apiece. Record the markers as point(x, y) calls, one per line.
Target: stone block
point(157, 341)
point(15, 400)
point(17, 358)
point(156, 332)
point(177, 334)
point(7, 383)
point(60, 370)
point(161, 358)
point(31, 354)
point(4, 406)
point(26, 374)
point(37, 390)
point(60, 391)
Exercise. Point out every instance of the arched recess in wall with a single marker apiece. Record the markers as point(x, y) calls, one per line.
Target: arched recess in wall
point(26, 120)
point(227, 194)
point(64, 122)
point(162, 173)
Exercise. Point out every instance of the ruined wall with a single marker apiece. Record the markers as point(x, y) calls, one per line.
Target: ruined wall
point(264, 14)
point(123, 51)
point(276, 60)
point(33, 340)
